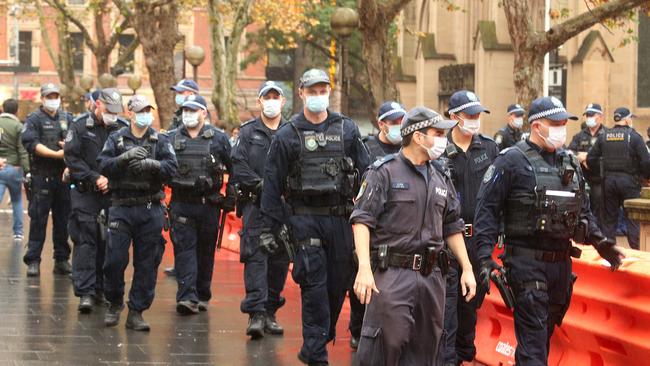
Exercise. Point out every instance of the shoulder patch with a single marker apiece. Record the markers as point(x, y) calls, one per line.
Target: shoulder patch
point(383, 160)
point(489, 174)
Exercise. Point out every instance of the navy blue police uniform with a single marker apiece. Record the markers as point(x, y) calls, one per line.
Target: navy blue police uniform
point(626, 161)
point(542, 199)
point(265, 272)
point(410, 210)
point(194, 209)
point(316, 168)
point(84, 142)
point(378, 149)
point(48, 191)
point(136, 214)
point(466, 169)
point(582, 142)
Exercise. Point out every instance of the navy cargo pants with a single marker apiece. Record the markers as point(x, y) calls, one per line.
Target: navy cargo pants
point(618, 188)
point(323, 269)
point(264, 275)
point(48, 193)
point(194, 235)
point(143, 225)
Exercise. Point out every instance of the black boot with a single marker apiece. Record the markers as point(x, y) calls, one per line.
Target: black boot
point(62, 268)
point(33, 269)
point(256, 326)
point(187, 307)
point(271, 325)
point(86, 303)
point(112, 315)
point(135, 321)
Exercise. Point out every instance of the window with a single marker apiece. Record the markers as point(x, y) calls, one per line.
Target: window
point(125, 41)
point(643, 62)
point(25, 49)
point(77, 43)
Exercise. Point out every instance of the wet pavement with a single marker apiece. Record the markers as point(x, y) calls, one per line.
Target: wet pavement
point(40, 325)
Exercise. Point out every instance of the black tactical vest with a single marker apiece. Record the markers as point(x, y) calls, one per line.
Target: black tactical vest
point(616, 152)
point(129, 181)
point(374, 148)
point(552, 211)
point(323, 176)
point(52, 132)
point(198, 169)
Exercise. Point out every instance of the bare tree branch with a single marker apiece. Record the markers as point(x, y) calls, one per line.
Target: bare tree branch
point(45, 35)
point(121, 61)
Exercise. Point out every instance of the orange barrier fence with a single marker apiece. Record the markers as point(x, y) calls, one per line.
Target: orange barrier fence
point(608, 322)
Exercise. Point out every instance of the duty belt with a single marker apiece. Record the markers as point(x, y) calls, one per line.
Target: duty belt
point(135, 201)
point(203, 199)
point(423, 262)
point(542, 255)
point(311, 242)
point(340, 210)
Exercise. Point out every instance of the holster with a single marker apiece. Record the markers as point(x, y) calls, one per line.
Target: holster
point(102, 220)
point(444, 261)
point(382, 257)
point(285, 238)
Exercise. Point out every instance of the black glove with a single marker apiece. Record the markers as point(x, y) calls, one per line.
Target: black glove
point(230, 200)
point(268, 244)
point(608, 250)
point(258, 188)
point(487, 266)
point(146, 165)
point(137, 153)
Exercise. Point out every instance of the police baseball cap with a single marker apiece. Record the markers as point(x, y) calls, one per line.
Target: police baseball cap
point(390, 111)
point(550, 108)
point(465, 101)
point(113, 100)
point(622, 113)
point(195, 102)
point(516, 109)
point(419, 118)
point(593, 108)
point(267, 86)
point(137, 103)
point(94, 96)
point(49, 88)
point(313, 77)
point(186, 85)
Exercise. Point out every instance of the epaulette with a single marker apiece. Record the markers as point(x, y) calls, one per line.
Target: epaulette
point(439, 165)
point(247, 122)
point(383, 160)
point(208, 133)
point(487, 138)
point(123, 122)
point(153, 137)
point(80, 117)
point(504, 151)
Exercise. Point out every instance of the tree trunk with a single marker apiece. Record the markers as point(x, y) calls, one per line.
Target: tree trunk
point(528, 76)
point(66, 69)
point(224, 57)
point(157, 28)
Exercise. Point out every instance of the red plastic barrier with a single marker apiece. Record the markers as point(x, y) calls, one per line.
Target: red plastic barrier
point(608, 322)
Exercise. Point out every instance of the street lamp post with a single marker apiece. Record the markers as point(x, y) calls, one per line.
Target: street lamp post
point(134, 82)
point(195, 56)
point(343, 22)
point(107, 80)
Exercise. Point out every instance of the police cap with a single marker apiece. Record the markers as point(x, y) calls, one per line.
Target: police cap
point(550, 108)
point(420, 118)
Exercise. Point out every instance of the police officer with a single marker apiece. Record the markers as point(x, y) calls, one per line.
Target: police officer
point(317, 156)
point(580, 145)
point(539, 188)
point(468, 155)
point(183, 89)
point(136, 161)
point(509, 135)
point(626, 161)
point(388, 140)
point(88, 197)
point(265, 269)
point(405, 210)
point(203, 155)
point(43, 136)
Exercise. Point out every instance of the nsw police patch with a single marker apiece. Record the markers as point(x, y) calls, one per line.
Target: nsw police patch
point(361, 190)
point(69, 136)
point(310, 143)
point(489, 174)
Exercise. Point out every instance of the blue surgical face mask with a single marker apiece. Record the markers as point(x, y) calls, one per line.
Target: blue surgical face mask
point(394, 135)
point(143, 119)
point(318, 103)
point(180, 98)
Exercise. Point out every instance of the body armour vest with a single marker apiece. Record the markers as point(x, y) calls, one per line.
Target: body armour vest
point(323, 175)
point(52, 132)
point(616, 152)
point(145, 181)
point(552, 211)
point(198, 169)
point(374, 148)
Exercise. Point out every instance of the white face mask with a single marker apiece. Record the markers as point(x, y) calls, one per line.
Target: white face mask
point(439, 145)
point(52, 104)
point(517, 122)
point(556, 137)
point(471, 126)
point(271, 107)
point(591, 122)
point(109, 118)
point(190, 119)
